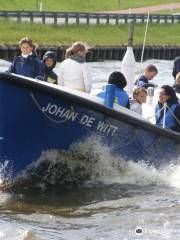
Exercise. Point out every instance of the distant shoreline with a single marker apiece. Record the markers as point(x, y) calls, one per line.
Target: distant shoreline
point(100, 53)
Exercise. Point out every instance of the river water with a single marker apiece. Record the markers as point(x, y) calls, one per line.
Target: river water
point(121, 201)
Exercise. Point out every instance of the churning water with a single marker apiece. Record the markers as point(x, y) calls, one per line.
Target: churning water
point(117, 200)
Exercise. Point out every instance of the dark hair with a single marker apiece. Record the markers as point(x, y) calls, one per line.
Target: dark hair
point(151, 68)
point(118, 79)
point(169, 91)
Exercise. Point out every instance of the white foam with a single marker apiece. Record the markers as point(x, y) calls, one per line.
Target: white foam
point(108, 168)
point(13, 232)
point(102, 166)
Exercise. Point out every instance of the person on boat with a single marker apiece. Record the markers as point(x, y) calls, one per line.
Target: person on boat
point(27, 64)
point(49, 60)
point(177, 83)
point(168, 99)
point(119, 81)
point(149, 73)
point(176, 67)
point(139, 97)
point(73, 71)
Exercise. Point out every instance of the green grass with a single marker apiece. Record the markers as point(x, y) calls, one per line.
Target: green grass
point(158, 34)
point(78, 5)
point(171, 11)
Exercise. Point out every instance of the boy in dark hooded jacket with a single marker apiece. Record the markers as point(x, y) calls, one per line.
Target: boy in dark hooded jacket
point(49, 60)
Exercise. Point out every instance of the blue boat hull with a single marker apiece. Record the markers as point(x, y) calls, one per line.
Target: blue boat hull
point(36, 117)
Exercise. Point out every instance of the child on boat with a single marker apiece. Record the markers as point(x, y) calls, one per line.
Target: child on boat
point(149, 73)
point(27, 64)
point(139, 97)
point(49, 60)
point(121, 97)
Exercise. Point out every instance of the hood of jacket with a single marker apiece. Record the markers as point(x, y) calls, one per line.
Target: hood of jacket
point(52, 55)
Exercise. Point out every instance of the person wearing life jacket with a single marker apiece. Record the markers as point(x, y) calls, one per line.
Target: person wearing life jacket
point(172, 118)
point(176, 67)
point(27, 64)
point(73, 71)
point(49, 60)
point(120, 97)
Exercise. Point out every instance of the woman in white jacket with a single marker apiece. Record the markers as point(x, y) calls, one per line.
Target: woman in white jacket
point(73, 70)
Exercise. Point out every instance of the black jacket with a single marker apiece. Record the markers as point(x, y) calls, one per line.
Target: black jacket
point(50, 75)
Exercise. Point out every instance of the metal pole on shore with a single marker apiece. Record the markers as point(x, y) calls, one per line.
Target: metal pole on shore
point(119, 3)
point(41, 6)
point(37, 4)
point(128, 62)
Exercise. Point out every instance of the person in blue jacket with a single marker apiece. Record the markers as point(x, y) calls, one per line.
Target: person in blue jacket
point(176, 67)
point(149, 73)
point(27, 64)
point(172, 118)
point(120, 97)
point(49, 60)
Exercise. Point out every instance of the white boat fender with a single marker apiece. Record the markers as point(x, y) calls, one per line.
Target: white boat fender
point(109, 95)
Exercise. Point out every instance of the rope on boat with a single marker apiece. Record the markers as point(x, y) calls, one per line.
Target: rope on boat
point(145, 35)
point(143, 47)
point(39, 107)
point(155, 113)
point(164, 107)
point(164, 115)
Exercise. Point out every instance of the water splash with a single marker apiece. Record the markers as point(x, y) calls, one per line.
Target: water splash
point(3, 167)
point(109, 168)
point(17, 233)
point(4, 174)
point(91, 162)
point(174, 176)
point(29, 235)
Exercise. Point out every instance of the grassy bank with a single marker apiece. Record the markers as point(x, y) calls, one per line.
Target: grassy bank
point(158, 34)
point(78, 5)
point(171, 11)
